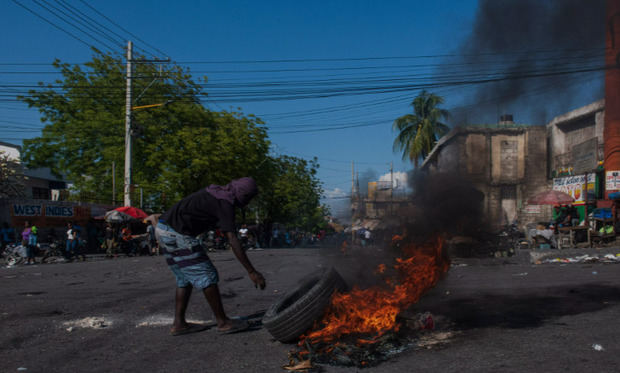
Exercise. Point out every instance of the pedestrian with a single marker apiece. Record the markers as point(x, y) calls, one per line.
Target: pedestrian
point(32, 244)
point(110, 242)
point(8, 235)
point(176, 232)
point(127, 241)
point(26, 242)
point(243, 235)
point(150, 231)
point(367, 236)
point(72, 241)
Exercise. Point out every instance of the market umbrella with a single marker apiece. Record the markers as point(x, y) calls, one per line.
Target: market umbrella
point(124, 214)
point(551, 197)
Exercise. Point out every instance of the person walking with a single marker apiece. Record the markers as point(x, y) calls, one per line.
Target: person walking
point(177, 231)
point(26, 242)
point(8, 235)
point(72, 241)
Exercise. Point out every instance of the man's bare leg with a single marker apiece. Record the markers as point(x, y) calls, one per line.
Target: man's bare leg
point(212, 294)
point(181, 301)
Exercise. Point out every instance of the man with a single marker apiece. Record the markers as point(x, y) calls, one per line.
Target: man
point(127, 241)
point(573, 215)
point(243, 234)
point(150, 231)
point(176, 232)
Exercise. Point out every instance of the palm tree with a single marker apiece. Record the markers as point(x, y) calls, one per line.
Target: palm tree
point(418, 132)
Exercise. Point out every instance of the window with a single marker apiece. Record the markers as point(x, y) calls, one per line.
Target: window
point(40, 193)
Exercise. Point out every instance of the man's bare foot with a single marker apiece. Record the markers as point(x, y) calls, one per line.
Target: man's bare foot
point(232, 326)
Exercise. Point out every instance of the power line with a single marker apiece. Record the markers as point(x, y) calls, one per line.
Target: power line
point(79, 21)
point(124, 30)
point(73, 25)
point(56, 26)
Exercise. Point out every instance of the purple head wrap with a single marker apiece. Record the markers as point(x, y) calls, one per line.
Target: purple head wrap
point(239, 192)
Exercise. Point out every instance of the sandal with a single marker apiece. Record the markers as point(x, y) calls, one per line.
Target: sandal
point(191, 328)
point(237, 325)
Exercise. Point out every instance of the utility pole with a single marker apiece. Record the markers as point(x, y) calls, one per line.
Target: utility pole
point(128, 103)
point(352, 200)
point(113, 183)
point(391, 188)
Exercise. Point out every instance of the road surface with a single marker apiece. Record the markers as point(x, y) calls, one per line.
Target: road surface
point(114, 315)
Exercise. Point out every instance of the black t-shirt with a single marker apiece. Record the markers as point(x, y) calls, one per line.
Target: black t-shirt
point(199, 212)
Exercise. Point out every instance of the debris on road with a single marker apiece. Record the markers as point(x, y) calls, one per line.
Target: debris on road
point(598, 347)
point(162, 320)
point(609, 258)
point(88, 323)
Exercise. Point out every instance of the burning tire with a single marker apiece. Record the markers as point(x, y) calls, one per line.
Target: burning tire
point(295, 312)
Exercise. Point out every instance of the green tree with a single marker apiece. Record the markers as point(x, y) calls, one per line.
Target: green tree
point(292, 192)
point(176, 148)
point(418, 132)
point(12, 179)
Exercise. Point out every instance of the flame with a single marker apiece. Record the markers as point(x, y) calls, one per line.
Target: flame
point(373, 311)
point(380, 269)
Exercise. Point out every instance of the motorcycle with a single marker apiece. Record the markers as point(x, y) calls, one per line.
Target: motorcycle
point(53, 251)
point(14, 254)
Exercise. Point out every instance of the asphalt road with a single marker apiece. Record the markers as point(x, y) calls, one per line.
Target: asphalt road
point(113, 316)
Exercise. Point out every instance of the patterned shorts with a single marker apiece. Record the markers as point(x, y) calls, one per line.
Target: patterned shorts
point(186, 258)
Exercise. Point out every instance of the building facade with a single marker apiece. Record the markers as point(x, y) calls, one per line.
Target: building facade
point(506, 162)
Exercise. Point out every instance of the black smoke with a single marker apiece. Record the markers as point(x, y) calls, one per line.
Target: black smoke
point(513, 39)
point(443, 204)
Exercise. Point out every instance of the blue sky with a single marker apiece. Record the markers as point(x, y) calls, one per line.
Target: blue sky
point(203, 34)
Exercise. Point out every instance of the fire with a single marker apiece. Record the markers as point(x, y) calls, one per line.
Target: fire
point(372, 312)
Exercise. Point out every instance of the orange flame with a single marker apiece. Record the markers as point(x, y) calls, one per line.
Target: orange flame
point(373, 311)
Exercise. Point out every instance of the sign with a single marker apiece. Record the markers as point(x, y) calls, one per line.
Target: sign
point(27, 210)
point(575, 185)
point(51, 211)
point(533, 209)
point(59, 211)
point(585, 156)
point(612, 180)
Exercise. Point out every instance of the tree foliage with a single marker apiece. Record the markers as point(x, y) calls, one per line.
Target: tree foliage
point(294, 192)
point(418, 132)
point(177, 148)
point(12, 179)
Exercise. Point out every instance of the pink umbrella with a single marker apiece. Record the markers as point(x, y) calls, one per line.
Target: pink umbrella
point(551, 197)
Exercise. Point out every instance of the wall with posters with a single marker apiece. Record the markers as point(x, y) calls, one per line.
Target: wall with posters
point(575, 186)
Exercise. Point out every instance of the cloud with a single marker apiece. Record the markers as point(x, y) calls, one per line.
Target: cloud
point(335, 193)
point(399, 181)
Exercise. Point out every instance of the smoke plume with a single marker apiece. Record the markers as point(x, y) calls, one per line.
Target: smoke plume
point(511, 40)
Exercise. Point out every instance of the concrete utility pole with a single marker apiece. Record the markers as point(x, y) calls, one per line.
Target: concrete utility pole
point(352, 200)
point(391, 188)
point(113, 183)
point(127, 181)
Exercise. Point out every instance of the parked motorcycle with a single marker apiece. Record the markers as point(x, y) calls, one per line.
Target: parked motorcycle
point(52, 252)
point(14, 254)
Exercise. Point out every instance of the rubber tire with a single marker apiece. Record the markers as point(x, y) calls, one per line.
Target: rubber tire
point(295, 312)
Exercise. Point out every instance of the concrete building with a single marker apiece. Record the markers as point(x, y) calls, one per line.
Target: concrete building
point(507, 162)
point(576, 140)
point(40, 183)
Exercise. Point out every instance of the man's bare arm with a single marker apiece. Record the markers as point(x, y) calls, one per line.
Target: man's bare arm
point(255, 276)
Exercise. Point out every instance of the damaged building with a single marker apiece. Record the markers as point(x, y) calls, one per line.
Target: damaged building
point(506, 162)
point(510, 162)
